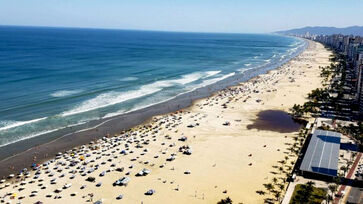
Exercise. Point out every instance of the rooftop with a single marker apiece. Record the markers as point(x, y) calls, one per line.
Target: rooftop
point(323, 153)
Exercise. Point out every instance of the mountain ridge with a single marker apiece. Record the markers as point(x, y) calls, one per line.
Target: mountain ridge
point(324, 30)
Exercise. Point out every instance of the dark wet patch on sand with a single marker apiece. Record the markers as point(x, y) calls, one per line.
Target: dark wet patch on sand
point(275, 120)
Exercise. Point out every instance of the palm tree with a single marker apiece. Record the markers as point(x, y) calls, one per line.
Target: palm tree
point(274, 180)
point(310, 186)
point(225, 201)
point(269, 187)
point(281, 169)
point(281, 187)
point(304, 195)
point(295, 139)
point(333, 188)
point(277, 195)
point(286, 158)
point(260, 192)
point(344, 169)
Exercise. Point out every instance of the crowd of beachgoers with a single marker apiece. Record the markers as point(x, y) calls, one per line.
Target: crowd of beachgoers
point(200, 154)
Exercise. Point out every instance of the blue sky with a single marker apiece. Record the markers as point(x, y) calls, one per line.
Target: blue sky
point(242, 16)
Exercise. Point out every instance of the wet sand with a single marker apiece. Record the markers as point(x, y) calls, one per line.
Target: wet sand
point(275, 120)
point(16, 156)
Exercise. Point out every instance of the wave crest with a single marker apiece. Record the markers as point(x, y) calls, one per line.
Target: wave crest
point(64, 93)
point(112, 98)
point(5, 125)
point(129, 79)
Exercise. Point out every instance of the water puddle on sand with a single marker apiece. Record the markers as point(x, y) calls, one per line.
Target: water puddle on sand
point(275, 120)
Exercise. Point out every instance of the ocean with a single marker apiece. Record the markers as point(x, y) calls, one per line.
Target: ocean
point(56, 78)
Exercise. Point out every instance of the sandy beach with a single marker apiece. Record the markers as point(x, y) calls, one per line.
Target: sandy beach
point(201, 154)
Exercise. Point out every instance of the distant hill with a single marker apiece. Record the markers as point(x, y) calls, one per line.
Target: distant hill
point(352, 30)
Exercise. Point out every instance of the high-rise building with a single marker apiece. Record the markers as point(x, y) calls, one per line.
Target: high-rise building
point(352, 48)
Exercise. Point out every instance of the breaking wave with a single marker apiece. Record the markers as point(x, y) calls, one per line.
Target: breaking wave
point(64, 93)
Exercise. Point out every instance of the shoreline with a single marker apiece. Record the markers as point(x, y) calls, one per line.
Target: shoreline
point(44, 147)
point(227, 158)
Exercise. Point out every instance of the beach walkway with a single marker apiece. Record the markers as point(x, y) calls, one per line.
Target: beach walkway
point(349, 175)
point(289, 192)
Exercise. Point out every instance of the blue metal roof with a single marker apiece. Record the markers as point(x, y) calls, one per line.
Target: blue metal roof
point(322, 154)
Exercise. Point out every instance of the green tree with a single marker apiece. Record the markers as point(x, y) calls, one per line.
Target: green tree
point(227, 200)
point(333, 188)
point(269, 187)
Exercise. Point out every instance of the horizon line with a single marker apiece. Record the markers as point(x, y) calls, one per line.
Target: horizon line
point(130, 29)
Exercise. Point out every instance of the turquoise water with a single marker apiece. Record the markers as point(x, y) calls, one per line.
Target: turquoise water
point(52, 78)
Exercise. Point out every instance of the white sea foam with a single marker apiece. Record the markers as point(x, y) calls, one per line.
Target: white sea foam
point(214, 80)
point(64, 93)
point(113, 97)
point(245, 69)
point(110, 98)
point(248, 64)
point(28, 137)
point(5, 125)
point(129, 79)
point(188, 78)
point(211, 73)
point(109, 115)
point(204, 83)
point(36, 134)
point(98, 101)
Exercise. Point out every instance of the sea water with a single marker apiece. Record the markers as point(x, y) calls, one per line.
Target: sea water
point(53, 78)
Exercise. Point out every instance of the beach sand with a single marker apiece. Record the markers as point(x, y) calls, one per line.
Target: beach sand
point(227, 158)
